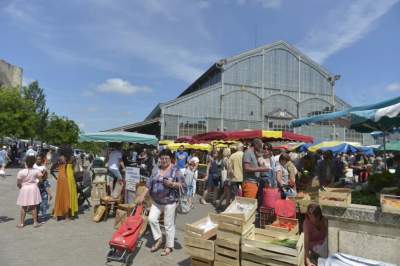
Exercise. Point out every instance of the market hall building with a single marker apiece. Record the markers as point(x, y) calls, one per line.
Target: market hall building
point(263, 88)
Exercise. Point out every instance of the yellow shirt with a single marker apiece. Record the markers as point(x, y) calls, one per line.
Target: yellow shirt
point(236, 162)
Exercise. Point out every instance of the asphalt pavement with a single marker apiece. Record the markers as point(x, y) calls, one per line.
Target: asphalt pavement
point(77, 242)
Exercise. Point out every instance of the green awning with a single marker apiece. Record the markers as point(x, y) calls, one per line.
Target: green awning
point(391, 146)
point(119, 136)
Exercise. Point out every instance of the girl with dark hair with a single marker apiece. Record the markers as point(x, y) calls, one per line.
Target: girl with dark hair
point(163, 186)
point(213, 176)
point(315, 235)
point(29, 194)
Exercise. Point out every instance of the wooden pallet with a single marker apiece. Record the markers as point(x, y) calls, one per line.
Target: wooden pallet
point(335, 197)
point(390, 203)
point(261, 249)
point(200, 262)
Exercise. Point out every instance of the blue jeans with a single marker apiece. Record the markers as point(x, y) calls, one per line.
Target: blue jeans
point(44, 205)
point(115, 173)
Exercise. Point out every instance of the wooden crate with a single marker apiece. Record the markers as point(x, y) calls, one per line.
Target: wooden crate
point(336, 197)
point(236, 225)
point(234, 209)
point(235, 219)
point(198, 242)
point(390, 203)
point(304, 199)
point(196, 230)
point(220, 263)
point(261, 249)
point(200, 262)
point(227, 249)
point(275, 225)
point(99, 190)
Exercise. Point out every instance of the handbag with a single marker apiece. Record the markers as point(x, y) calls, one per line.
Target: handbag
point(224, 176)
point(183, 202)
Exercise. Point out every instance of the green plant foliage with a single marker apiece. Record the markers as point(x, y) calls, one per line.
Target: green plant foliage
point(61, 130)
point(377, 182)
point(17, 115)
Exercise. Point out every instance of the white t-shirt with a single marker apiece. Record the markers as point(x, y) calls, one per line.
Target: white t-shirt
point(42, 168)
point(113, 159)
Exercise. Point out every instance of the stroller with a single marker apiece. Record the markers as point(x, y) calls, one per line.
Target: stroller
point(125, 240)
point(83, 187)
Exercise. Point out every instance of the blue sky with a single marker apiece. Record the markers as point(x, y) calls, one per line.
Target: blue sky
point(106, 63)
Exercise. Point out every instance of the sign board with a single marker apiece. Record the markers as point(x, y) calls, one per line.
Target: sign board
point(132, 177)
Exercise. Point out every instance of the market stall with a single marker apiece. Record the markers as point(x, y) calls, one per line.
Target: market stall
point(121, 199)
point(266, 135)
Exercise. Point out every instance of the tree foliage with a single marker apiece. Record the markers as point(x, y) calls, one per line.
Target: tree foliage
point(36, 94)
point(24, 114)
point(17, 114)
point(61, 130)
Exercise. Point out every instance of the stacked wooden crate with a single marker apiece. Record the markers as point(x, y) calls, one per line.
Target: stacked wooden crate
point(266, 247)
point(235, 223)
point(335, 197)
point(199, 240)
point(390, 203)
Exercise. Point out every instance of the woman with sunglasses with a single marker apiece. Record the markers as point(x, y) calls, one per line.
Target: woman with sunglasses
point(163, 187)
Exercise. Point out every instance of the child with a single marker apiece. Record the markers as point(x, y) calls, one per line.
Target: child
point(44, 188)
point(29, 194)
point(190, 174)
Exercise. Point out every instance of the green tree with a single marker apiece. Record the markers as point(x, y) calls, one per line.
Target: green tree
point(36, 94)
point(17, 114)
point(61, 130)
point(92, 147)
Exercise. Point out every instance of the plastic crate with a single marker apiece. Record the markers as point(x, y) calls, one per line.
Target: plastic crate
point(266, 216)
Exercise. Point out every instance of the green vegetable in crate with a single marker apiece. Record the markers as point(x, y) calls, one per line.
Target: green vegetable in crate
point(377, 182)
point(289, 243)
point(364, 198)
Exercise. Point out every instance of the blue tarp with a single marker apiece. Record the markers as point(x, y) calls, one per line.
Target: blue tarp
point(344, 113)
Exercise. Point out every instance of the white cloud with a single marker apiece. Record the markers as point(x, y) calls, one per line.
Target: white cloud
point(135, 31)
point(120, 86)
point(262, 3)
point(393, 87)
point(344, 26)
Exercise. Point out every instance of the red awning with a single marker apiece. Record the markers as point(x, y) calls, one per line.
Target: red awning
point(244, 134)
point(297, 137)
point(248, 135)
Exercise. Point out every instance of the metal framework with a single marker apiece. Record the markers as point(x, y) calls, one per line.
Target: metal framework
point(261, 88)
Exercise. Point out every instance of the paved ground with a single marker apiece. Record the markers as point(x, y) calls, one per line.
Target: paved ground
point(77, 242)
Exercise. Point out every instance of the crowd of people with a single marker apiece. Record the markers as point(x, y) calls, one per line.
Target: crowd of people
point(244, 169)
point(34, 187)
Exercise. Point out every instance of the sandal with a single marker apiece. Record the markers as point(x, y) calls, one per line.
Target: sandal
point(166, 252)
point(20, 226)
point(156, 246)
point(37, 225)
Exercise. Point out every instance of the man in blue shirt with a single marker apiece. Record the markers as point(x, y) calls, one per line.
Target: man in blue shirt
point(181, 158)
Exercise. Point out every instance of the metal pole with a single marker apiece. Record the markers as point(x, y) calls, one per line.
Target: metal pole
point(384, 148)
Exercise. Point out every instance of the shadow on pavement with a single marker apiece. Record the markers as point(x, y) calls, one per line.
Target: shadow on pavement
point(5, 219)
point(185, 262)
